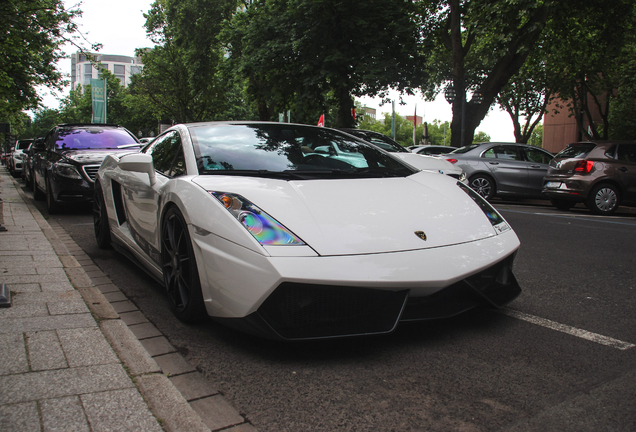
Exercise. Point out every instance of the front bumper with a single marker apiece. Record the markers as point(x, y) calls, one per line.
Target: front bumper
point(294, 298)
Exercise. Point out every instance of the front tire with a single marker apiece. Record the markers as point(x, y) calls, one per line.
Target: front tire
point(483, 185)
point(603, 199)
point(100, 218)
point(180, 272)
point(52, 205)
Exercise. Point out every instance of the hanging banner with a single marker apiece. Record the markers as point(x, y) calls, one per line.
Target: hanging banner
point(98, 96)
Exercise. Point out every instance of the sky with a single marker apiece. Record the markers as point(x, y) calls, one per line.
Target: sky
point(119, 26)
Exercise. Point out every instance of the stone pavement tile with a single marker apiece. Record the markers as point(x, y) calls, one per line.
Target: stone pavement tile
point(64, 415)
point(169, 405)
point(115, 296)
point(11, 325)
point(25, 288)
point(158, 346)
point(12, 354)
point(78, 278)
point(16, 270)
point(20, 417)
point(119, 410)
point(68, 307)
point(106, 288)
point(130, 318)
point(45, 350)
point(129, 349)
point(24, 311)
point(173, 364)
point(24, 279)
point(86, 347)
point(145, 331)
point(193, 386)
point(46, 297)
point(124, 306)
point(100, 280)
point(62, 382)
point(97, 303)
point(57, 286)
point(69, 261)
point(245, 427)
point(216, 412)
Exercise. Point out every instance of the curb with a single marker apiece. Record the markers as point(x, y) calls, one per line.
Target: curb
point(166, 400)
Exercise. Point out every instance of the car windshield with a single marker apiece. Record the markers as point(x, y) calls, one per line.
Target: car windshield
point(466, 149)
point(288, 150)
point(380, 140)
point(576, 150)
point(93, 138)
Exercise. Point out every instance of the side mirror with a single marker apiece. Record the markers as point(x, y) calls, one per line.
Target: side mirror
point(138, 162)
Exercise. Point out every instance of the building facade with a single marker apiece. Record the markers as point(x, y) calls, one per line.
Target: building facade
point(123, 67)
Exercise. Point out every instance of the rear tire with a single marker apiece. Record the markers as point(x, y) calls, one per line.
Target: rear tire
point(180, 272)
point(603, 199)
point(100, 218)
point(562, 204)
point(483, 185)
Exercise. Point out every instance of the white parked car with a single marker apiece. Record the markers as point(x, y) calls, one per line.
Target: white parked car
point(247, 223)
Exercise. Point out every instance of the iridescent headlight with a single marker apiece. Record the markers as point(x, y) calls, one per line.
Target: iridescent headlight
point(493, 215)
point(265, 229)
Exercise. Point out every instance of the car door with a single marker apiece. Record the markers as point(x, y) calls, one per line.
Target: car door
point(143, 201)
point(41, 160)
point(537, 162)
point(508, 165)
point(626, 170)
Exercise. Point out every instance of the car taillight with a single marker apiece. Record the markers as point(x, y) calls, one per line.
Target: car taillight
point(452, 160)
point(583, 167)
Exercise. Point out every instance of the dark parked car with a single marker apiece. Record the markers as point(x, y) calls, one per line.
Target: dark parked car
point(503, 168)
point(600, 174)
point(27, 160)
point(64, 171)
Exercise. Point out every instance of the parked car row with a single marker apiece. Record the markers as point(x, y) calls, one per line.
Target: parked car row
point(602, 175)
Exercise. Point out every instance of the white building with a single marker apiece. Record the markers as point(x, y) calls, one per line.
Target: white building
point(123, 67)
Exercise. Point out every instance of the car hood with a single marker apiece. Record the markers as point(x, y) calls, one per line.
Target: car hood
point(85, 157)
point(428, 163)
point(365, 216)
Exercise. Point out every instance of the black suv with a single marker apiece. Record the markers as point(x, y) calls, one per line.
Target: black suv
point(64, 170)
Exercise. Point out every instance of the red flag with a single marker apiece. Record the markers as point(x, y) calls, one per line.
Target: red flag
point(321, 122)
point(353, 113)
point(414, 124)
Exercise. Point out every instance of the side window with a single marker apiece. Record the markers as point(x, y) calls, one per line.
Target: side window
point(490, 153)
point(538, 156)
point(167, 155)
point(508, 153)
point(626, 153)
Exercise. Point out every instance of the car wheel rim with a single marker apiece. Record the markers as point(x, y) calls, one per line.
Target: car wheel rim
point(481, 186)
point(176, 262)
point(606, 199)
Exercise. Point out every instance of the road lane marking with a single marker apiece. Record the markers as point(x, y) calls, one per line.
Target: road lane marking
point(583, 334)
point(588, 218)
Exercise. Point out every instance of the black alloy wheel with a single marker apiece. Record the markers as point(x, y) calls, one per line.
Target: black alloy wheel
point(483, 185)
point(180, 272)
point(100, 218)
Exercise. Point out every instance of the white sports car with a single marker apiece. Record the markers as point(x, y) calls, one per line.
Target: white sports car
point(255, 225)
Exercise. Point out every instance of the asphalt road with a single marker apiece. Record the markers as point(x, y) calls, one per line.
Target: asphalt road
point(559, 358)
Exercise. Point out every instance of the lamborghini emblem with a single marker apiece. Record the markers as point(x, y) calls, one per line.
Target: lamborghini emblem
point(421, 234)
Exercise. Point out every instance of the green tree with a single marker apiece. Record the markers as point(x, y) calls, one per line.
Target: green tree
point(182, 74)
point(536, 139)
point(480, 137)
point(308, 52)
point(588, 59)
point(43, 120)
point(479, 45)
point(32, 33)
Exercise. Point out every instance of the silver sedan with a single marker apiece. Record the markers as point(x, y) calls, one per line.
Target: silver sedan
point(503, 168)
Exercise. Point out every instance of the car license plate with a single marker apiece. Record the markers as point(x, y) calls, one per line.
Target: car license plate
point(554, 185)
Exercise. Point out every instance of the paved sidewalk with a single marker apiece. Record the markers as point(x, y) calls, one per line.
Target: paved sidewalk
point(68, 361)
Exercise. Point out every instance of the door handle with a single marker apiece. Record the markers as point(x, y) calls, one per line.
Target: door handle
point(493, 163)
point(535, 166)
point(623, 169)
